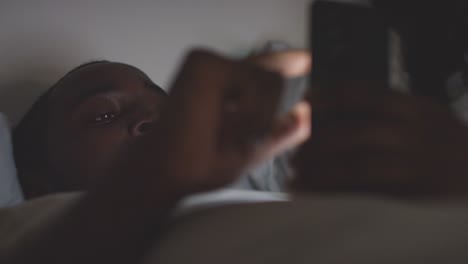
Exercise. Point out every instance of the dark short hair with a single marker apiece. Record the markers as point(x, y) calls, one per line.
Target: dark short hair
point(29, 136)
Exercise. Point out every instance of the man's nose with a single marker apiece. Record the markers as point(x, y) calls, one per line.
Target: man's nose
point(143, 125)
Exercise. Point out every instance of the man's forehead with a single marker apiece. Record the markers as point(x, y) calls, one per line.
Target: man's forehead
point(94, 75)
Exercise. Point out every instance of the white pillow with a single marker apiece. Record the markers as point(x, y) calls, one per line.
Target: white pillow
point(221, 197)
point(10, 190)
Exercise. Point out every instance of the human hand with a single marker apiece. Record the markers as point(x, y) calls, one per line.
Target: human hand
point(221, 120)
point(380, 141)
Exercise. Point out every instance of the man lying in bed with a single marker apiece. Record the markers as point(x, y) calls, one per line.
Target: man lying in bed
point(394, 144)
point(78, 128)
point(107, 133)
point(366, 140)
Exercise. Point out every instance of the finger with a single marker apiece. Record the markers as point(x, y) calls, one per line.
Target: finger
point(356, 134)
point(333, 104)
point(290, 64)
point(291, 130)
point(206, 73)
point(251, 101)
point(386, 135)
point(195, 104)
point(287, 133)
point(363, 171)
point(372, 171)
point(360, 156)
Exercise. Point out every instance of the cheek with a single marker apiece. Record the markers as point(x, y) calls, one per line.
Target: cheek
point(99, 148)
point(89, 154)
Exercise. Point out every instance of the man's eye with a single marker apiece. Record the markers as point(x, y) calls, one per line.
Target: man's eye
point(103, 118)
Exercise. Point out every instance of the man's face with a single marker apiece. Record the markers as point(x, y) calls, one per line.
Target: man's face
point(95, 112)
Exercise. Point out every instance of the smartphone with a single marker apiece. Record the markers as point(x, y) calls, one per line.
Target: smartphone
point(349, 41)
point(294, 89)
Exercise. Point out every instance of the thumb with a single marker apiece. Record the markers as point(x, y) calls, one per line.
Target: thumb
point(290, 63)
point(287, 132)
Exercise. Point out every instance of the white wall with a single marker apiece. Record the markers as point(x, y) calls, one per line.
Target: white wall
point(42, 40)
